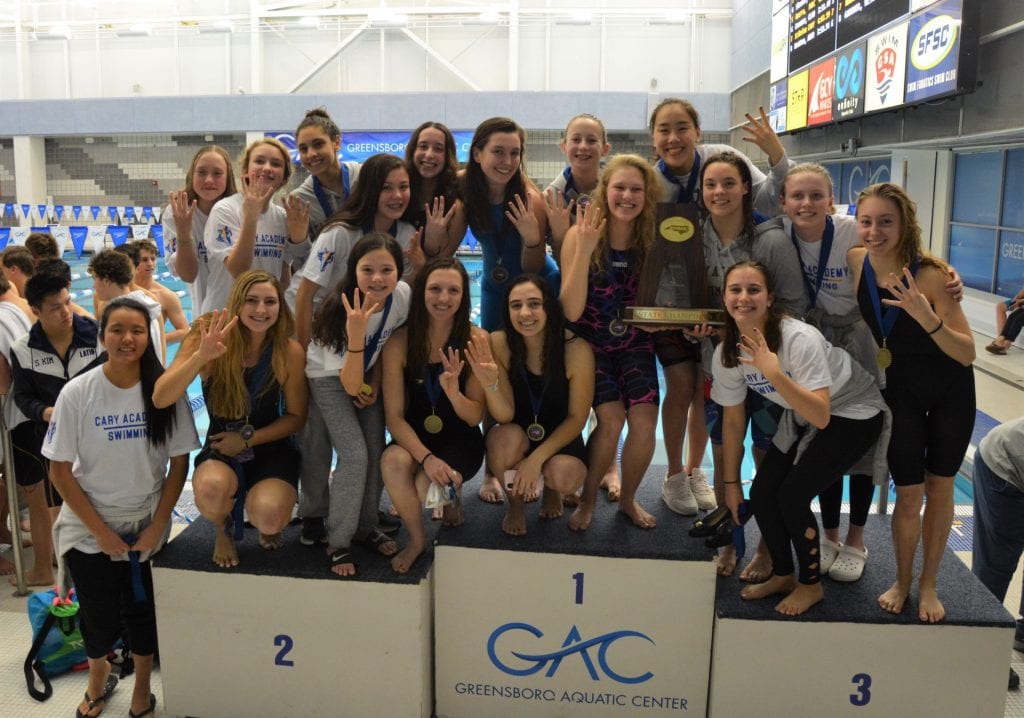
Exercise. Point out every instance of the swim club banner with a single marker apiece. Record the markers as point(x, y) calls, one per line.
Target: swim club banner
point(359, 146)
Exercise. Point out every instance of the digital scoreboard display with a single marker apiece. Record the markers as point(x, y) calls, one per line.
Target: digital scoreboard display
point(835, 60)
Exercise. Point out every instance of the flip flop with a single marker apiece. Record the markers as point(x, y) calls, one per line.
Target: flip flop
point(148, 711)
point(994, 348)
point(101, 701)
point(375, 542)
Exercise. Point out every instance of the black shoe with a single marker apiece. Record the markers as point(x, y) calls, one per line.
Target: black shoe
point(1018, 637)
point(707, 525)
point(388, 524)
point(1014, 682)
point(313, 531)
point(722, 535)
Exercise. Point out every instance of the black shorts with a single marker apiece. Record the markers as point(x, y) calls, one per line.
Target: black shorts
point(672, 347)
point(30, 466)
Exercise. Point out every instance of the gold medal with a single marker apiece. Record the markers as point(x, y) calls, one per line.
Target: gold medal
point(884, 357)
point(366, 390)
point(433, 424)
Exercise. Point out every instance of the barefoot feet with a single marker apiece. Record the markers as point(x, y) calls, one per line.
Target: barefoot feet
point(893, 599)
point(490, 490)
point(773, 586)
point(637, 514)
point(802, 597)
point(34, 577)
point(271, 541)
point(514, 523)
point(759, 569)
point(611, 483)
point(551, 504)
point(405, 558)
point(580, 519)
point(225, 554)
point(725, 561)
point(930, 608)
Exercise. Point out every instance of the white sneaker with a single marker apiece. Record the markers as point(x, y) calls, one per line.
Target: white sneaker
point(677, 494)
point(701, 491)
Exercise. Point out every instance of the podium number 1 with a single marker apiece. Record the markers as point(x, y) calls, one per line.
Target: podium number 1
point(285, 642)
point(863, 695)
point(578, 578)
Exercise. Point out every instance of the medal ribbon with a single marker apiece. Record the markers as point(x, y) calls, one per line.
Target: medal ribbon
point(823, 254)
point(432, 385)
point(321, 196)
point(691, 184)
point(392, 230)
point(886, 318)
point(370, 345)
point(535, 401)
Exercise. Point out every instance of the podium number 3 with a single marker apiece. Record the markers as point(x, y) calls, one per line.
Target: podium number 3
point(285, 642)
point(863, 695)
point(578, 578)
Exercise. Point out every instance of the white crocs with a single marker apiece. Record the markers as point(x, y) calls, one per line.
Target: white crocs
point(849, 566)
point(829, 553)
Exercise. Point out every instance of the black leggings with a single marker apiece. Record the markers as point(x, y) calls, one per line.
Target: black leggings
point(1014, 323)
point(782, 491)
point(106, 600)
point(862, 490)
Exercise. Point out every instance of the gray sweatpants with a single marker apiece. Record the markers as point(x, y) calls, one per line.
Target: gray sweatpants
point(315, 470)
point(357, 435)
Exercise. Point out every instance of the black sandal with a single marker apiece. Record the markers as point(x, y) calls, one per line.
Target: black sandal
point(108, 689)
point(148, 711)
point(338, 557)
point(375, 540)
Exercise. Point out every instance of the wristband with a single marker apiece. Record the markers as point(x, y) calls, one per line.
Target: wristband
point(942, 323)
point(429, 454)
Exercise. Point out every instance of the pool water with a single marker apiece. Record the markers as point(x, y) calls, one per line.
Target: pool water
point(81, 289)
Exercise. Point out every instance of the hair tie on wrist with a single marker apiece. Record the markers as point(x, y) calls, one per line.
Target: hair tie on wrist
point(429, 454)
point(942, 323)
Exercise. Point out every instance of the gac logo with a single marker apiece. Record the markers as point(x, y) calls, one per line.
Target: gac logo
point(572, 644)
point(933, 42)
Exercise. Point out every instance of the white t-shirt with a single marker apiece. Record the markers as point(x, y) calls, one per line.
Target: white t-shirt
point(101, 428)
point(766, 189)
point(220, 235)
point(13, 325)
point(317, 216)
point(805, 356)
point(837, 295)
point(329, 258)
point(196, 289)
point(323, 361)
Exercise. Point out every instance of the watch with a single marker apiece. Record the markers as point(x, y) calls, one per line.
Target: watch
point(247, 432)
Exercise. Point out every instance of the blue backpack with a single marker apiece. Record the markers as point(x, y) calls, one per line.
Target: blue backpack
point(57, 643)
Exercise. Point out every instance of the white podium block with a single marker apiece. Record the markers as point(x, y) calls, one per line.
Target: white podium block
point(613, 621)
point(778, 668)
point(848, 657)
point(238, 644)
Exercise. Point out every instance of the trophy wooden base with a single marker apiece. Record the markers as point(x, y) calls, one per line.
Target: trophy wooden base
point(655, 316)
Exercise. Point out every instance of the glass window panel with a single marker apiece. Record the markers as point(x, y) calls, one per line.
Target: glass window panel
point(1010, 277)
point(879, 171)
point(1013, 190)
point(976, 187)
point(971, 252)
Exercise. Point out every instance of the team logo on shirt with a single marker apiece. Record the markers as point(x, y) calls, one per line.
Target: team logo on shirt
point(326, 259)
point(224, 235)
point(50, 431)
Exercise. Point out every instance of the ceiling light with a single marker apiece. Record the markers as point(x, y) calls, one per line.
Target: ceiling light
point(136, 30)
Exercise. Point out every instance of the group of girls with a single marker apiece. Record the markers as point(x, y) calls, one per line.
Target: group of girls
point(382, 338)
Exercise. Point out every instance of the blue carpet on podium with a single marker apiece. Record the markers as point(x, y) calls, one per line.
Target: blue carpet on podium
point(967, 601)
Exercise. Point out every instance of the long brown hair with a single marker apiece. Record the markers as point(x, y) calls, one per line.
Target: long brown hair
point(228, 393)
point(474, 185)
point(644, 224)
point(772, 321)
point(419, 320)
point(910, 246)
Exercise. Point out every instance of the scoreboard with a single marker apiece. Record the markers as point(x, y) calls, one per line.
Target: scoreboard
point(834, 60)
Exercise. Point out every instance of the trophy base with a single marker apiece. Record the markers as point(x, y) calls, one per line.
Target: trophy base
point(672, 315)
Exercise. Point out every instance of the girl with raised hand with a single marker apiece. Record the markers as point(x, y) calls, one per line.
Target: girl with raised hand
point(377, 204)
point(584, 145)
point(833, 414)
point(210, 178)
point(926, 348)
point(540, 381)
point(506, 213)
point(330, 181)
point(433, 403)
point(434, 207)
point(109, 446)
point(730, 236)
point(602, 256)
point(675, 134)
point(248, 230)
point(255, 391)
point(349, 334)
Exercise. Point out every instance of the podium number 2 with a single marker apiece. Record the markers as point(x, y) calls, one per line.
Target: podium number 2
point(863, 695)
point(285, 642)
point(578, 578)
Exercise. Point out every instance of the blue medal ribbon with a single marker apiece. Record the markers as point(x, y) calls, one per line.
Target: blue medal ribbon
point(691, 184)
point(823, 254)
point(570, 185)
point(138, 589)
point(432, 385)
point(321, 196)
point(370, 345)
point(392, 230)
point(886, 317)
